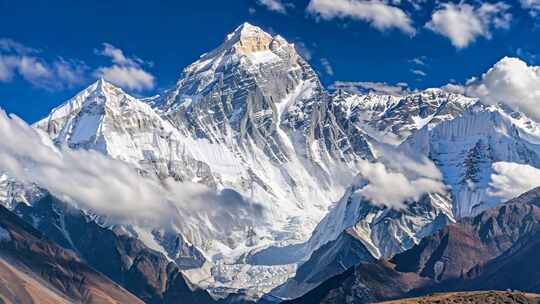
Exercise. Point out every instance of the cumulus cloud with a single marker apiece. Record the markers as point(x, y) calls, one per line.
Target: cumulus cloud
point(512, 82)
point(463, 23)
point(274, 5)
point(398, 178)
point(112, 188)
point(510, 180)
point(378, 14)
point(127, 72)
point(375, 87)
point(18, 59)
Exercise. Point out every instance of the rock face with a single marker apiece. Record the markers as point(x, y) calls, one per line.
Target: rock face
point(115, 252)
point(493, 250)
point(479, 297)
point(250, 116)
point(33, 269)
point(363, 232)
point(457, 249)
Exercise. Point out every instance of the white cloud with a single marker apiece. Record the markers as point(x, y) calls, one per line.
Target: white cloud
point(112, 188)
point(376, 87)
point(533, 5)
point(419, 61)
point(418, 72)
point(378, 14)
point(399, 178)
point(454, 88)
point(10, 45)
point(117, 55)
point(303, 50)
point(17, 59)
point(463, 23)
point(510, 180)
point(133, 78)
point(512, 82)
point(328, 69)
point(125, 71)
point(273, 5)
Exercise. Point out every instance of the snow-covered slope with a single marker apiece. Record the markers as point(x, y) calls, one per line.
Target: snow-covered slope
point(375, 231)
point(465, 148)
point(251, 119)
point(103, 117)
point(228, 124)
point(391, 119)
point(13, 191)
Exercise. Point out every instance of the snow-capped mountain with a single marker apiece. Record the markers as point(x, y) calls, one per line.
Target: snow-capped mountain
point(251, 119)
point(104, 118)
point(228, 131)
point(391, 119)
point(465, 148)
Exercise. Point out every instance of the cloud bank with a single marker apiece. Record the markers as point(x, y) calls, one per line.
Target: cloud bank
point(112, 188)
point(463, 23)
point(512, 82)
point(378, 14)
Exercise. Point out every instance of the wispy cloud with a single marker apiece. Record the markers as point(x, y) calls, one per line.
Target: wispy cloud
point(305, 51)
point(419, 61)
point(112, 188)
point(463, 23)
point(419, 72)
point(328, 69)
point(26, 62)
point(376, 87)
point(127, 72)
point(274, 5)
point(532, 5)
point(378, 14)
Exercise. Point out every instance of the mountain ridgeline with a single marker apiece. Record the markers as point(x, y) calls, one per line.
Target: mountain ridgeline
point(252, 122)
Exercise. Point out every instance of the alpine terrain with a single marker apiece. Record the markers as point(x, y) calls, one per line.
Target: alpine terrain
point(292, 177)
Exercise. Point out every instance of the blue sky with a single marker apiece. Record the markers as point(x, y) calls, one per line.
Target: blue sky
point(49, 50)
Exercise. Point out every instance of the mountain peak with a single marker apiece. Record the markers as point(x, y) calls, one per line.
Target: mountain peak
point(248, 38)
point(247, 30)
point(102, 85)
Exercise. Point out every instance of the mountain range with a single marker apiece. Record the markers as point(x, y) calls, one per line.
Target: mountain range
point(309, 207)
